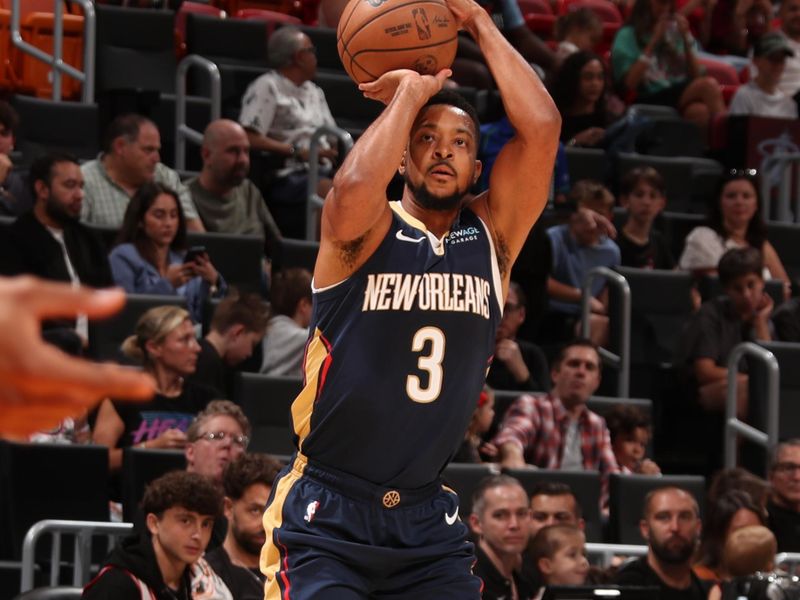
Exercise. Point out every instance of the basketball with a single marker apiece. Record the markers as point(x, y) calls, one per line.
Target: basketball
point(376, 36)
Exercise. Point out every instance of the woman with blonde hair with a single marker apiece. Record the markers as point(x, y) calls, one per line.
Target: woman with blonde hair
point(165, 344)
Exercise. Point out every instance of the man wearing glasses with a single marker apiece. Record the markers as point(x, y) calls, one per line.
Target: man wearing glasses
point(784, 503)
point(280, 112)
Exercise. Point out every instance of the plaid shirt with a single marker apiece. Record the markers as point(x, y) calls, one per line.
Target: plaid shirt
point(104, 202)
point(538, 425)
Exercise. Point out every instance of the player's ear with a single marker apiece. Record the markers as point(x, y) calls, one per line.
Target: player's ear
point(402, 168)
point(478, 171)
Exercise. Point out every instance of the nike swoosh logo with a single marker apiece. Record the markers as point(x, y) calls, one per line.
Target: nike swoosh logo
point(404, 238)
point(450, 519)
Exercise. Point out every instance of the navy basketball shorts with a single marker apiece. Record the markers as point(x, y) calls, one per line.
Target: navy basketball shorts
point(331, 536)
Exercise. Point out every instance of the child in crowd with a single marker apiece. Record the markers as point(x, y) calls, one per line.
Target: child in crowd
point(747, 551)
point(473, 447)
point(577, 30)
point(630, 432)
point(579, 246)
point(559, 554)
point(643, 195)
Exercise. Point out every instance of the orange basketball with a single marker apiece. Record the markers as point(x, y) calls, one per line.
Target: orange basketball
point(375, 36)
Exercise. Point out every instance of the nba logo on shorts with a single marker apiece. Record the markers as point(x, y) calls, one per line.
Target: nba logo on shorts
point(311, 510)
point(421, 21)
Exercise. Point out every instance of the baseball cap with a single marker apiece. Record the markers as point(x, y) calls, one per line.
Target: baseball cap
point(772, 43)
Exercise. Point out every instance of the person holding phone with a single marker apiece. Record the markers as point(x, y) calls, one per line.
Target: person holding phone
point(149, 257)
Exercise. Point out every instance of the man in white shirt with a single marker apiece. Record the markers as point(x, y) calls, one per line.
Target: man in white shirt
point(761, 96)
point(790, 26)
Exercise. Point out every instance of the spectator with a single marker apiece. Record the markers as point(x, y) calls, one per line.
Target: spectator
point(578, 247)
point(164, 342)
point(218, 435)
point(731, 511)
point(557, 430)
point(237, 326)
point(734, 221)
point(579, 91)
point(500, 517)
point(228, 202)
point(747, 551)
point(643, 195)
point(48, 241)
point(287, 329)
point(577, 31)
point(554, 503)
point(248, 482)
point(761, 96)
point(15, 198)
point(784, 503)
point(280, 112)
point(130, 158)
point(741, 314)
point(738, 24)
point(789, 14)
point(481, 421)
point(740, 479)
point(559, 554)
point(630, 432)
point(654, 57)
point(149, 258)
point(166, 562)
point(517, 364)
point(671, 526)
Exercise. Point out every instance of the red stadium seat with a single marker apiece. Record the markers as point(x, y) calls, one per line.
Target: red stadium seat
point(35, 75)
point(288, 7)
point(180, 21)
point(724, 73)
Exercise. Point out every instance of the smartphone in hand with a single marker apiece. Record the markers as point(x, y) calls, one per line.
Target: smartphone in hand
point(193, 253)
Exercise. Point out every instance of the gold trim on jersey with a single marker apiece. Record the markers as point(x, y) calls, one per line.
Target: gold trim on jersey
point(272, 556)
point(401, 212)
point(315, 367)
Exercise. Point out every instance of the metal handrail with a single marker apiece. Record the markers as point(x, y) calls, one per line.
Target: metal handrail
point(792, 558)
point(313, 201)
point(785, 164)
point(733, 426)
point(621, 361)
point(182, 131)
point(83, 531)
point(606, 552)
point(86, 77)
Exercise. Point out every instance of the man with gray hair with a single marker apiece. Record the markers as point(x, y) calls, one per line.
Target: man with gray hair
point(784, 502)
point(280, 112)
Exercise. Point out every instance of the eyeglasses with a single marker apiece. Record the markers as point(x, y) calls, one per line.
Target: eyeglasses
point(220, 436)
point(785, 468)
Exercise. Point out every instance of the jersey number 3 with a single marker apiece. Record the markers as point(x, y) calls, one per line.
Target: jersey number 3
point(431, 363)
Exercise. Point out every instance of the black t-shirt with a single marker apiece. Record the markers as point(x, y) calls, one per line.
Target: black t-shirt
point(244, 584)
point(500, 378)
point(495, 586)
point(639, 573)
point(212, 371)
point(144, 422)
point(785, 524)
point(655, 254)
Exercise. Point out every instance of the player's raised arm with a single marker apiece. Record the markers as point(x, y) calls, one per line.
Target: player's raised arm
point(520, 178)
point(356, 214)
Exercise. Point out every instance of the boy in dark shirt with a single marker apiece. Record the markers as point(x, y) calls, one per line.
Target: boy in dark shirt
point(643, 195)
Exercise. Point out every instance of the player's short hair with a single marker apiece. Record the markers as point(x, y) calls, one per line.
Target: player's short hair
point(556, 488)
point(637, 175)
point(289, 286)
point(648, 499)
point(739, 262)
point(550, 539)
point(282, 45)
point(126, 126)
point(191, 491)
point(455, 99)
point(249, 469)
point(248, 310)
point(42, 168)
point(579, 342)
point(624, 419)
point(217, 408)
point(489, 483)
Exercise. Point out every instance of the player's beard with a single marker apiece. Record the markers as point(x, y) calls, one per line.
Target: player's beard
point(58, 213)
point(427, 200)
point(675, 555)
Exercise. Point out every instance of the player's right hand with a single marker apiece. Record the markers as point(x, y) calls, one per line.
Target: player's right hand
point(386, 86)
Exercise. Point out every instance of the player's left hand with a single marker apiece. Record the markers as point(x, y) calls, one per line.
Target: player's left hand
point(385, 87)
point(464, 11)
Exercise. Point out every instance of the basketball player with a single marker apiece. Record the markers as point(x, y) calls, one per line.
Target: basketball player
point(407, 297)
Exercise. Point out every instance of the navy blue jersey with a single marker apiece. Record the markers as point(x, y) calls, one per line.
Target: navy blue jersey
point(398, 354)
